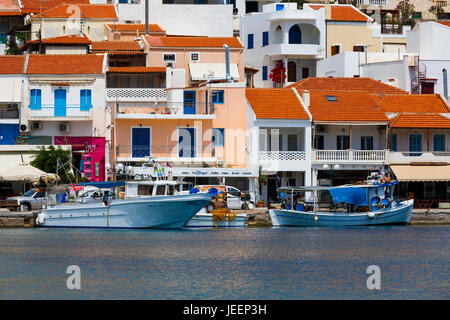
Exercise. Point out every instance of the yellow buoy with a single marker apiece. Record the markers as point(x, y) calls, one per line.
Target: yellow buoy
point(220, 215)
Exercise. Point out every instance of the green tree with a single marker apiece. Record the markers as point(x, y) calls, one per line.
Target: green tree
point(406, 9)
point(46, 160)
point(437, 10)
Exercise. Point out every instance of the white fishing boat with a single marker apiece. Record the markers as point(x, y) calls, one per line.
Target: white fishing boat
point(144, 204)
point(371, 203)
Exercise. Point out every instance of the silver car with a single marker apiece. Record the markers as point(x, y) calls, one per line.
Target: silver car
point(31, 200)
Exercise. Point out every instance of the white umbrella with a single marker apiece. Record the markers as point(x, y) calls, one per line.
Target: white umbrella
point(26, 172)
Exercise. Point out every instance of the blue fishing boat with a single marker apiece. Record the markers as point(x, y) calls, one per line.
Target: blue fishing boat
point(147, 204)
point(371, 203)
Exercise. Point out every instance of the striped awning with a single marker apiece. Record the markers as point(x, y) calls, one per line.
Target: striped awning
point(406, 173)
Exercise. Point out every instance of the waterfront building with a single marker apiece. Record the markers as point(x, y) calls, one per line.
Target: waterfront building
point(281, 138)
point(419, 143)
point(182, 111)
point(71, 44)
point(11, 92)
point(282, 33)
point(64, 104)
point(69, 19)
point(131, 31)
point(10, 17)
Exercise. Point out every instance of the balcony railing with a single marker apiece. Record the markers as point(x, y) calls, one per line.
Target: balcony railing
point(371, 2)
point(173, 152)
point(283, 160)
point(407, 157)
point(53, 113)
point(166, 108)
point(282, 155)
point(136, 94)
point(357, 156)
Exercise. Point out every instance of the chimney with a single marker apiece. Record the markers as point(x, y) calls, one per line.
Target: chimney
point(227, 62)
point(305, 98)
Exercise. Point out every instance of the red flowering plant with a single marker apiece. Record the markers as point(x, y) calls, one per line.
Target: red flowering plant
point(278, 74)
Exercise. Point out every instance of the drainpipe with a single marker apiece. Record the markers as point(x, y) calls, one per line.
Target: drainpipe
point(146, 17)
point(444, 72)
point(227, 62)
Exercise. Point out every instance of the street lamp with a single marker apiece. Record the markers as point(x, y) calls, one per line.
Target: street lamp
point(331, 168)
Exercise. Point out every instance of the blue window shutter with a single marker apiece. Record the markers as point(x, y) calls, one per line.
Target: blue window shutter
point(218, 96)
point(279, 7)
point(394, 142)
point(218, 137)
point(35, 99)
point(250, 41)
point(264, 73)
point(265, 38)
point(85, 100)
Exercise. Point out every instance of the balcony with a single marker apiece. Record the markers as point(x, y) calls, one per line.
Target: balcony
point(350, 156)
point(135, 95)
point(371, 2)
point(283, 160)
point(161, 153)
point(294, 50)
point(9, 113)
point(71, 112)
point(417, 156)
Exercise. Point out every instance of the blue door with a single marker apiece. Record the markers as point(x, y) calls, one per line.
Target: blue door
point(186, 143)
point(140, 141)
point(189, 102)
point(60, 103)
point(415, 144)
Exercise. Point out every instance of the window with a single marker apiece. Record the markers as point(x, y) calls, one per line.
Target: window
point(264, 73)
point(265, 38)
point(218, 97)
point(218, 137)
point(85, 100)
point(343, 142)
point(169, 57)
point(279, 7)
point(366, 143)
point(415, 144)
point(331, 98)
point(295, 35)
point(35, 99)
point(358, 48)
point(250, 41)
point(439, 142)
point(318, 142)
point(335, 49)
point(394, 142)
point(195, 56)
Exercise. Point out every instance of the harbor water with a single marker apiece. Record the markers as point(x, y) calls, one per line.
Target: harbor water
point(252, 263)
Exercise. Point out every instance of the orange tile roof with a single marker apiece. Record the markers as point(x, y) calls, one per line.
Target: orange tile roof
point(136, 69)
point(350, 107)
point(11, 64)
point(414, 103)
point(344, 13)
point(445, 23)
point(70, 39)
point(65, 64)
point(193, 42)
point(348, 84)
point(36, 6)
point(416, 120)
point(9, 5)
point(275, 104)
point(86, 11)
point(104, 46)
point(133, 27)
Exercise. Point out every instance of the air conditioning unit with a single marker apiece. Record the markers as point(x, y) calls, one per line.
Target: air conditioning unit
point(64, 127)
point(322, 129)
point(24, 127)
point(36, 125)
point(221, 164)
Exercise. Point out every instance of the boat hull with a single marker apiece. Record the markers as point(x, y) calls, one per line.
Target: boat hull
point(205, 220)
point(397, 215)
point(166, 212)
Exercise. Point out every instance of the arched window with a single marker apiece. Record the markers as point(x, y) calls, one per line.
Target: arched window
point(295, 35)
point(278, 35)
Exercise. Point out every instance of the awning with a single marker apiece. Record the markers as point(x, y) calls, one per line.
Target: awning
point(204, 71)
point(421, 173)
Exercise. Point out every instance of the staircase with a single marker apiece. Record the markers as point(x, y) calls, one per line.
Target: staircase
point(420, 75)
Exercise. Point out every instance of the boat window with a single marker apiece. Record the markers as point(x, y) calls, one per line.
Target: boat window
point(170, 190)
point(145, 190)
point(160, 190)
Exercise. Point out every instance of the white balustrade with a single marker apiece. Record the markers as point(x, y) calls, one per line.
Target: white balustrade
point(369, 156)
point(132, 94)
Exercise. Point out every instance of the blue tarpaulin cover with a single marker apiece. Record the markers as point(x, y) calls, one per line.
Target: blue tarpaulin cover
point(356, 196)
point(103, 184)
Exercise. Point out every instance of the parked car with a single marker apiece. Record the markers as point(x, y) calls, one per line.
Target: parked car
point(228, 196)
point(31, 200)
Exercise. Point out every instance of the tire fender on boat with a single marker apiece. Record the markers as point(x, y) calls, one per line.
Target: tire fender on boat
point(40, 219)
point(371, 214)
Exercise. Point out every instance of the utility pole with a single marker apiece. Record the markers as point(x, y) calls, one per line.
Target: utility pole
point(146, 17)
